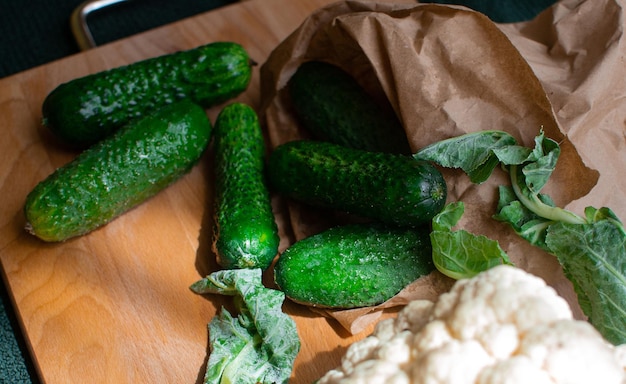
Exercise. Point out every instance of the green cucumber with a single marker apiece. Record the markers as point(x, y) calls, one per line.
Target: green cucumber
point(390, 188)
point(354, 265)
point(88, 109)
point(118, 173)
point(333, 106)
point(245, 231)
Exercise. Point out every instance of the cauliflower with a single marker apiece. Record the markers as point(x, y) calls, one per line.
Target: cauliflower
point(504, 326)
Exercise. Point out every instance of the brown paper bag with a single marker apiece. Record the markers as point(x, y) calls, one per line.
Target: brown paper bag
point(577, 50)
point(448, 71)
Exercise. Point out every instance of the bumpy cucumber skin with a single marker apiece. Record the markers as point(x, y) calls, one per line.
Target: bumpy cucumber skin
point(395, 189)
point(245, 231)
point(118, 173)
point(333, 107)
point(355, 265)
point(88, 109)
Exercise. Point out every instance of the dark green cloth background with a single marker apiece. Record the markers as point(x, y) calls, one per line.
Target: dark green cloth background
point(36, 32)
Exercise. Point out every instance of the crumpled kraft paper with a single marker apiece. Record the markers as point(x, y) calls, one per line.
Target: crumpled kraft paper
point(447, 71)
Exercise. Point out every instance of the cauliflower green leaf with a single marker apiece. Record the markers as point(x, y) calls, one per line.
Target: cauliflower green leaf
point(260, 344)
point(460, 254)
point(524, 222)
point(590, 248)
point(473, 153)
point(593, 257)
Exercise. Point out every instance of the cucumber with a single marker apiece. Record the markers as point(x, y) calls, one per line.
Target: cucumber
point(332, 106)
point(88, 109)
point(355, 265)
point(245, 231)
point(390, 188)
point(118, 173)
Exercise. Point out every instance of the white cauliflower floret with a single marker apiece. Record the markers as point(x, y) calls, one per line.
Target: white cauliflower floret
point(456, 362)
point(386, 329)
point(377, 372)
point(414, 316)
point(504, 326)
point(373, 361)
point(397, 350)
point(359, 352)
point(434, 335)
point(572, 352)
point(514, 370)
point(502, 296)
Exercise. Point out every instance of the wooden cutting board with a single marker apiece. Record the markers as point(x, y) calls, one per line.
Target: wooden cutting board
point(114, 306)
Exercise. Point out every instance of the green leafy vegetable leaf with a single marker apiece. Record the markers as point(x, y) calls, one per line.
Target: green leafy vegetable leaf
point(537, 203)
point(461, 254)
point(448, 217)
point(260, 344)
point(538, 171)
point(536, 164)
point(524, 222)
point(473, 153)
point(594, 215)
point(590, 248)
point(529, 171)
point(593, 257)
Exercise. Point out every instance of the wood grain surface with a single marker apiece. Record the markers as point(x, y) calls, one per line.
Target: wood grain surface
point(114, 306)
